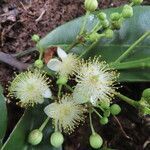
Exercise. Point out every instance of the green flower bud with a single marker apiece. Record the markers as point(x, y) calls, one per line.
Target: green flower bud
point(38, 63)
point(137, 2)
point(104, 120)
point(116, 24)
point(127, 11)
point(35, 38)
point(35, 137)
point(62, 80)
point(115, 16)
point(91, 5)
point(146, 94)
point(115, 109)
point(109, 33)
point(104, 104)
point(106, 113)
point(102, 16)
point(57, 139)
point(105, 23)
point(94, 36)
point(95, 141)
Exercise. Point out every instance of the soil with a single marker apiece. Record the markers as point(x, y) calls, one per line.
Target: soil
point(19, 20)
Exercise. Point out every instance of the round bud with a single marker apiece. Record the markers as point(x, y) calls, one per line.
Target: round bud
point(102, 16)
point(115, 16)
point(35, 137)
point(127, 11)
point(115, 109)
point(116, 24)
point(109, 33)
point(62, 80)
point(95, 141)
point(38, 63)
point(90, 5)
point(35, 38)
point(94, 36)
point(146, 94)
point(57, 139)
point(106, 113)
point(104, 104)
point(104, 120)
point(137, 2)
point(105, 23)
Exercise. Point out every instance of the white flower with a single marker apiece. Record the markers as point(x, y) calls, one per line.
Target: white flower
point(67, 66)
point(95, 82)
point(67, 113)
point(30, 87)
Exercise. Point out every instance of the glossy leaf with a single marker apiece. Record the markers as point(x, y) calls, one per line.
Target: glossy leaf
point(31, 119)
point(3, 116)
point(110, 50)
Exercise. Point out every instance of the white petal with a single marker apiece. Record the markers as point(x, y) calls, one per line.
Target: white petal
point(93, 100)
point(61, 53)
point(52, 110)
point(80, 96)
point(54, 64)
point(47, 93)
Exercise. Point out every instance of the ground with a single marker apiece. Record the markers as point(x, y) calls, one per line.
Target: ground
point(19, 20)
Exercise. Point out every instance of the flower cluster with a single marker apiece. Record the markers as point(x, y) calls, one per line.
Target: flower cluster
point(90, 84)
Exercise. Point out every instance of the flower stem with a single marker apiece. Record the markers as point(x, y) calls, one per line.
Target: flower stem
point(142, 63)
point(44, 124)
point(97, 27)
point(59, 90)
point(128, 100)
point(131, 48)
point(84, 22)
point(69, 87)
point(97, 112)
point(91, 125)
point(76, 42)
point(91, 47)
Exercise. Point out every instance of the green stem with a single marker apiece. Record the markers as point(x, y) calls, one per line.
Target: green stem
point(69, 88)
point(84, 23)
point(44, 124)
point(91, 125)
point(100, 108)
point(131, 48)
point(59, 90)
point(96, 28)
point(142, 63)
point(91, 47)
point(131, 4)
point(72, 45)
point(97, 112)
point(41, 54)
point(56, 125)
point(128, 100)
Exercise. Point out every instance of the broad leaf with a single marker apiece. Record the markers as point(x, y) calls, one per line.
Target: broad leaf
point(110, 50)
point(3, 116)
point(31, 119)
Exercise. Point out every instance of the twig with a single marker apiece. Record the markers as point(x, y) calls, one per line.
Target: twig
point(41, 15)
point(8, 59)
point(121, 128)
point(26, 52)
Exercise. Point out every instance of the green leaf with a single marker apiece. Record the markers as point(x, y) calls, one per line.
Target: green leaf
point(111, 49)
point(31, 119)
point(3, 117)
